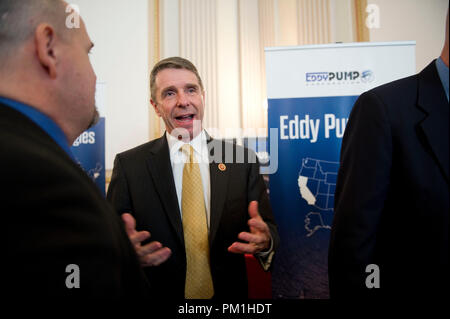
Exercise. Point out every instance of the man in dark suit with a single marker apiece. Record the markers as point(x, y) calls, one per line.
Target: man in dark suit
point(151, 182)
point(390, 231)
point(63, 238)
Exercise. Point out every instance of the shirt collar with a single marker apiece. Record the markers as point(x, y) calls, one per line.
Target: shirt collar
point(42, 120)
point(443, 74)
point(198, 143)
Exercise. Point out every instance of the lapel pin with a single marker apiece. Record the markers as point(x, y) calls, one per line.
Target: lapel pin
point(222, 167)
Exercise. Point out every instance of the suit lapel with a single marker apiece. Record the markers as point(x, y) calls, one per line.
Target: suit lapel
point(218, 181)
point(160, 169)
point(432, 99)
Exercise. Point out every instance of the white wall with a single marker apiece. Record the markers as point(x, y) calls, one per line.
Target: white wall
point(419, 20)
point(287, 22)
point(228, 65)
point(119, 30)
point(170, 28)
point(342, 24)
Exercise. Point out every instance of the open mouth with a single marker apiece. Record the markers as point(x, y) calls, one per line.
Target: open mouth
point(187, 117)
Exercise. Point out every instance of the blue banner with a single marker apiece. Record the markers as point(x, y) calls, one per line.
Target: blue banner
point(302, 189)
point(89, 152)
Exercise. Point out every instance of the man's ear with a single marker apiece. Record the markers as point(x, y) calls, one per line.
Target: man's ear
point(155, 106)
point(45, 40)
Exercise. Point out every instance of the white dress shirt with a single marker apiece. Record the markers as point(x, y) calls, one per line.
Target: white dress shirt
point(178, 159)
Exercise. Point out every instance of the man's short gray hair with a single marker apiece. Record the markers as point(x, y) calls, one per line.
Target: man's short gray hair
point(174, 62)
point(19, 19)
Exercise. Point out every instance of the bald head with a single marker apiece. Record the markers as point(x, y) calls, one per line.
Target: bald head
point(45, 64)
point(19, 19)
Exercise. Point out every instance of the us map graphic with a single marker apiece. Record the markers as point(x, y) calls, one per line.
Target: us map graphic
point(317, 183)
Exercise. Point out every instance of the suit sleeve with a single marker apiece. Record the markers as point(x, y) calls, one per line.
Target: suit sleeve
point(62, 220)
point(257, 191)
point(361, 190)
point(118, 194)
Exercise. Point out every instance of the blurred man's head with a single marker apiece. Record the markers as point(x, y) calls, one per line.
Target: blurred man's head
point(177, 94)
point(45, 64)
point(20, 18)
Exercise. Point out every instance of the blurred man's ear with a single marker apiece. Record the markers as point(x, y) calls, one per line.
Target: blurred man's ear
point(446, 29)
point(445, 53)
point(45, 42)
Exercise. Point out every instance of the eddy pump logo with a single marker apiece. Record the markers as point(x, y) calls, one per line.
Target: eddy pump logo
point(339, 77)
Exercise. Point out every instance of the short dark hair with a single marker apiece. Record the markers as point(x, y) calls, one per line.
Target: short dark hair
point(175, 62)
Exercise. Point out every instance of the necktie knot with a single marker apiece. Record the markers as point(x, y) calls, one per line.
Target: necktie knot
point(189, 152)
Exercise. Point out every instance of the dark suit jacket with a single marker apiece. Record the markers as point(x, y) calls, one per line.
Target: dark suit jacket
point(392, 192)
point(142, 183)
point(56, 216)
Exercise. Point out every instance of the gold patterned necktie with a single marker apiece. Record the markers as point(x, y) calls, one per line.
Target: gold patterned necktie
point(199, 283)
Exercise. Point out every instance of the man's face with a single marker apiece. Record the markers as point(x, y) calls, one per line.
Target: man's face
point(179, 100)
point(78, 80)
